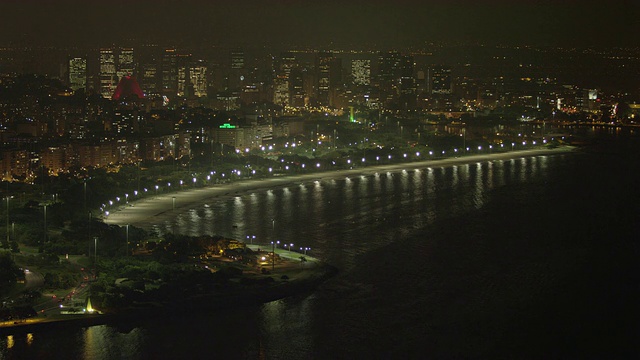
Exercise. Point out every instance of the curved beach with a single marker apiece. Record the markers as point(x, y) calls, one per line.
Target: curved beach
point(146, 212)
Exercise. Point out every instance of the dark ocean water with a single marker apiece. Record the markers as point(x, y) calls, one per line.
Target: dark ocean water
point(525, 258)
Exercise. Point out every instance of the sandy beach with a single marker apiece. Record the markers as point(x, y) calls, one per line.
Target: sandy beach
point(151, 210)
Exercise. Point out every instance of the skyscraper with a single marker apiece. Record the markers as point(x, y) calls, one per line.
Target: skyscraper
point(407, 85)
point(281, 91)
point(296, 87)
point(108, 76)
point(169, 79)
point(198, 73)
point(361, 71)
point(388, 75)
point(77, 73)
point(126, 64)
point(440, 80)
point(323, 71)
point(237, 59)
point(238, 73)
point(185, 87)
point(149, 77)
point(287, 62)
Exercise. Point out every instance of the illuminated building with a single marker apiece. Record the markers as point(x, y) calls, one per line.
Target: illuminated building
point(229, 135)
point(281, 91)
point(237, 74)
point(77, 73)
point(361, 71)
point(198, 73)
point(108, 76)
point(290, 71)
point(323, 77)
point(53, 159)
point(587, 100)
point(185, 88)
point(440, 80)
point(237, 59)
point(296, 87)
point(407, 85)
point(169, 75)
point(126, 64)
point(126, 87)
point(287, 62)
point(149, 78)
point(126, 122)
point(388, 75)
point(14, 163)
point(250, 94)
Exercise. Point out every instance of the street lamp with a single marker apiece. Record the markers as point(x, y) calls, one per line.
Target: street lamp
point(273, 254)
point(8, 218)
point(173, 200)
point(85, 195)
point(126, 245)
point(305, 249)
point(464, 138)
point(95, 255)
point(45, 224)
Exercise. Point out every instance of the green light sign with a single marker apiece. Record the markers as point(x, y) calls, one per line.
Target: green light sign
point(227, 126)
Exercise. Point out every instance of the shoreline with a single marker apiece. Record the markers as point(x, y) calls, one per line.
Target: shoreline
point(249, 295)
point(146, 212)
point(318, 271)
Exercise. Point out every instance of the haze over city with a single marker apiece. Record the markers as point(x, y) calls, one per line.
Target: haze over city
point(289, 179)
point(381, 23)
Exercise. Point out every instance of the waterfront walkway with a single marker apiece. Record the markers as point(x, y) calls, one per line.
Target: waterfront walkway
point(152, 210)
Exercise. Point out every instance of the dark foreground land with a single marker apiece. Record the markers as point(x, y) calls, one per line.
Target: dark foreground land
point(292, 274)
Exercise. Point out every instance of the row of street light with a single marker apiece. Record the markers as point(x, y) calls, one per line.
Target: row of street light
point(318, 165)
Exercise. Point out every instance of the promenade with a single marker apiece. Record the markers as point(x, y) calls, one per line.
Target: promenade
point(152, 210)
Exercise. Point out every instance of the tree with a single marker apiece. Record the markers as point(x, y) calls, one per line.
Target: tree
point(9, 272)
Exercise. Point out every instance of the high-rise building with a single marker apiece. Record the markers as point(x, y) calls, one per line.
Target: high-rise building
point(281, 91)
point(407, 84)
point(296, 87)
point(440, 80)
point(149, 77)
point(126, 64)
point(388, 75)
point(361, 71)
point(237, 75)
point(287, 62)
point(323, 77)
point(198, 73)
point(108, 76)
point(169, 73)
point(77, 73)
point(237, 59)
point(149, 69)
point(185, 88)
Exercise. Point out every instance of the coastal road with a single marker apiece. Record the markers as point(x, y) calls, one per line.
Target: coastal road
point(155, 209)
point(33, 279)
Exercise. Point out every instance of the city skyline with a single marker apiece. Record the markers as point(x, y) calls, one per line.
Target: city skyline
point(377, 23)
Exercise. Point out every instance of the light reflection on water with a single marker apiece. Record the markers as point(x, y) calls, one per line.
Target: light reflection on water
point(344, 217)
point(341, 220)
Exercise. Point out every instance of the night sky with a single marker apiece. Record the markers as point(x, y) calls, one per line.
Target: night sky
point(383, 23)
